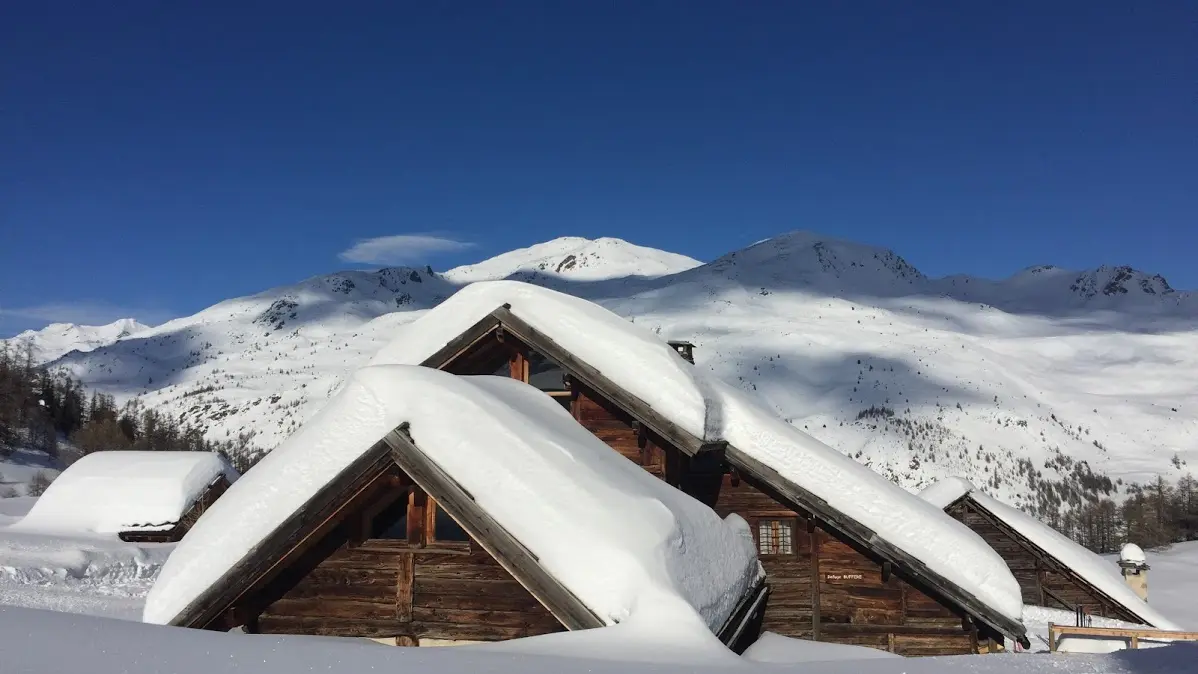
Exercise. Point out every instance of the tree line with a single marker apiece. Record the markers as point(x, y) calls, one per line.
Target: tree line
point(1152, 515)
point(40, 407)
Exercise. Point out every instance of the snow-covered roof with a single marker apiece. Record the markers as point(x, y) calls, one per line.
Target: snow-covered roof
point(1132, 553)
point(111, 492)
point(613, 535)
point(642, 364)
point(944, 493)
point(1096, 571)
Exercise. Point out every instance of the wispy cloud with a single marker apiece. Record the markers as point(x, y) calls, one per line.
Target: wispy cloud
point(15, 319)
point(401, 249)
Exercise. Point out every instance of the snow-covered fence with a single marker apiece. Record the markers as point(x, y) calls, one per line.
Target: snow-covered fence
point(1133, 636)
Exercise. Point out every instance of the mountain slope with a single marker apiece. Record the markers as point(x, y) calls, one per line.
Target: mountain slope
point(58, 339)
point(914, 376)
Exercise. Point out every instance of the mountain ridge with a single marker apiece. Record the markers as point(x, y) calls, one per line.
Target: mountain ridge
point(912, 375)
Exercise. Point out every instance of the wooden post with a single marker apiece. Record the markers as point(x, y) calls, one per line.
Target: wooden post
point(1135, 641)
point(890, 641)
point(416, 504)
point(813, 534)
point(403, 587)
point(1052, 638)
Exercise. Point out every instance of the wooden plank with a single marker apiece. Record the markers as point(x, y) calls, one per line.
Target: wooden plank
point(865, 537)
point(597, 381)
point(322, 626)
point(304, 526)
point(504, 547)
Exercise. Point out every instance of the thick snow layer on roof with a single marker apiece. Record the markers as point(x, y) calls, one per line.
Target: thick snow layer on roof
point(1097, 571)
point(110, 492)
point(617, 537)
point(641, 363)
point(944, 493)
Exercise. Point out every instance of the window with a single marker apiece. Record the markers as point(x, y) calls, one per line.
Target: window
point(391, 522)
point(545, 374)
point(445, 528)
point(775, 537)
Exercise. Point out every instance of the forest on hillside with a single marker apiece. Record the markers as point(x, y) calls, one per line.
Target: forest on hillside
point(51, 412)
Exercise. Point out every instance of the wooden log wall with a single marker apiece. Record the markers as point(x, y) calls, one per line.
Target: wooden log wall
point(1042, 581)
point(407, 590)
point(827, 589)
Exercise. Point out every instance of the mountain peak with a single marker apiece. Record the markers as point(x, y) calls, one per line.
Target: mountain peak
point(576, 258)
point(820, 261)
point(58, 339)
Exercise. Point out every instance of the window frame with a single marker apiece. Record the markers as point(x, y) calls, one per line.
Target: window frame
point(784, 531)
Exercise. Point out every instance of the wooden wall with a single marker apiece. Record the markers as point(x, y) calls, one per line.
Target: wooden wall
point(410, 590)
point(1043, 581)
point(825, 588)
point(842, 598)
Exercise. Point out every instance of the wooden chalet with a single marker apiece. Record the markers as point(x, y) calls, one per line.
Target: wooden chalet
point(831, 579)
point(1046, 579)
point(397, 550)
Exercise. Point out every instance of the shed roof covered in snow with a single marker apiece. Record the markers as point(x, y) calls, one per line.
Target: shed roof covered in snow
point(591, 536)
point(1100, 577)
point(697, 412)
point(130, 493)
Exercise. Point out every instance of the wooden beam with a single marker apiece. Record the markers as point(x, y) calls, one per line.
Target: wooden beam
point(462, 343)
point(813, 539)
point(505, 548)
point(798, 497)
point(1056, 632)
point(597, 381)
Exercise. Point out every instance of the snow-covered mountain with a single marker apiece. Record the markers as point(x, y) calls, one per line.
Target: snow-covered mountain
point(576, 259)
point(1048, 376)
point(58, 339)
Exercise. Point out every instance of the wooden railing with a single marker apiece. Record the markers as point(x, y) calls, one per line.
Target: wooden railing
point(1055, 632)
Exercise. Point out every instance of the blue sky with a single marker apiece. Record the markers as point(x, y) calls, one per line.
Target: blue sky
point(158, 157)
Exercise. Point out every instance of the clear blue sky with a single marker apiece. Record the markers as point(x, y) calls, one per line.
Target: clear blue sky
point(158, 157)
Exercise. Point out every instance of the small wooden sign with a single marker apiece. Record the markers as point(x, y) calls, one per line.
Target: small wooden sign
point(834, 577)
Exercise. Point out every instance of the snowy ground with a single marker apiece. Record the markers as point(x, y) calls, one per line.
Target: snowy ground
point(1173, 582)
point(93, 575)
point(32, 642)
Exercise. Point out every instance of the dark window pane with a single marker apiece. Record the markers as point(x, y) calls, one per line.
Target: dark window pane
point(447, 529)
point(392, 522)
point(545, 374)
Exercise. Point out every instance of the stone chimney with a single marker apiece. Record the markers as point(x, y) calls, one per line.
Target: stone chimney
point(684, 349)
point(1134, 566)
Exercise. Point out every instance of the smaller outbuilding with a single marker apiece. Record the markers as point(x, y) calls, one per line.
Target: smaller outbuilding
point(146, 497)
point(1052, 570)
